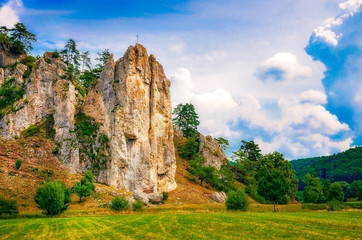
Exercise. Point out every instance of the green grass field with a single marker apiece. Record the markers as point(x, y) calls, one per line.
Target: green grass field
point(227, 225)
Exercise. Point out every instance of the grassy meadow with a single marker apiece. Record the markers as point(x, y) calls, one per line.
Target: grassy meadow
point(222, 225)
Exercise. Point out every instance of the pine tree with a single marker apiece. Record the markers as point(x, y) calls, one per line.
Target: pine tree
point(187, 119)
point(21, 33)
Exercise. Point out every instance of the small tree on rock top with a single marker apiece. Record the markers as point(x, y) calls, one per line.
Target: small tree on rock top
point(187, 119)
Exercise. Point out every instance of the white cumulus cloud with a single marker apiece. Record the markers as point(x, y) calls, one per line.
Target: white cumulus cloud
point(325, 32)
point(9, 13)
point(314, 96)
point(283, 65)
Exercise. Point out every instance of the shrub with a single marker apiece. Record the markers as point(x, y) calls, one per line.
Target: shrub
point(8, 208)
point(56, 150)
point(18, 163)
point(104, 139)
point(165, 196)
point(237, 200)
point(335, 205)
point(120, 203)
point(138, 205)
point(55, 54)
point(336, 192)
point(190, 149)
point(28, 60)
point(53, 197)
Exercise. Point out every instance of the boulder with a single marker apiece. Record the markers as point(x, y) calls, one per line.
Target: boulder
point(142, 196)
point(155, 197)
point(219, 197)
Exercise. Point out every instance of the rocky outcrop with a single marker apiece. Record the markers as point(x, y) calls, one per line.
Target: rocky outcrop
point(39, 101)
point(219, 197)
point(122, 130)
point(2, 77)
point(212, 152)
point(132, 105)
point(155, 197)
point(6, 57)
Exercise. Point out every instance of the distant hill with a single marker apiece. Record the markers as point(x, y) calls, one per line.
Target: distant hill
point(344, 166)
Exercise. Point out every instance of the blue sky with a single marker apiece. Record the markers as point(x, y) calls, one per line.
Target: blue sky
point(284, 73)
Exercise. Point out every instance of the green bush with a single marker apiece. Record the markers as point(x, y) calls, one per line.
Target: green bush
point(53, 197)
point(120, 203)
point(9, 94)
point(104, 139)
point(165, 196)
point(56, 54)
point(8, 208)
point(28, 60)
point(336, 192)
point(18, 163)
point(56, 150)
point(190, 149)
point(138, 205)
point(237, 200)
point(335, 205)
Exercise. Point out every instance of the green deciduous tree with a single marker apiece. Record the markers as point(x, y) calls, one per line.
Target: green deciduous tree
point(353, 187)
point(85, 187)
point(346, 190)
point(273, 187)
point(359, 193)
point(202, 172)
point(186, 118)
point(190, 149)
point(276, 162)
point(336, 192)
point(313, 192)
point(326, 187)
point(53, 197)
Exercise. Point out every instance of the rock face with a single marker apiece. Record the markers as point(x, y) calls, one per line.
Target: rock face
point(219, 197)
point(210, 149)
point(122, 130)
point(132, 105)
point(42, 88)
point(6, 58)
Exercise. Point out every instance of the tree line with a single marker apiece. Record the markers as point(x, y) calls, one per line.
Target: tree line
point(268, 178)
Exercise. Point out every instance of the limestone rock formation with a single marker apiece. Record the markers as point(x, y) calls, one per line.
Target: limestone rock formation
point(132, 105)
point(41, 89)
point(122, 130)
point(219, 197)
point(6, 57)
point(210, 149)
